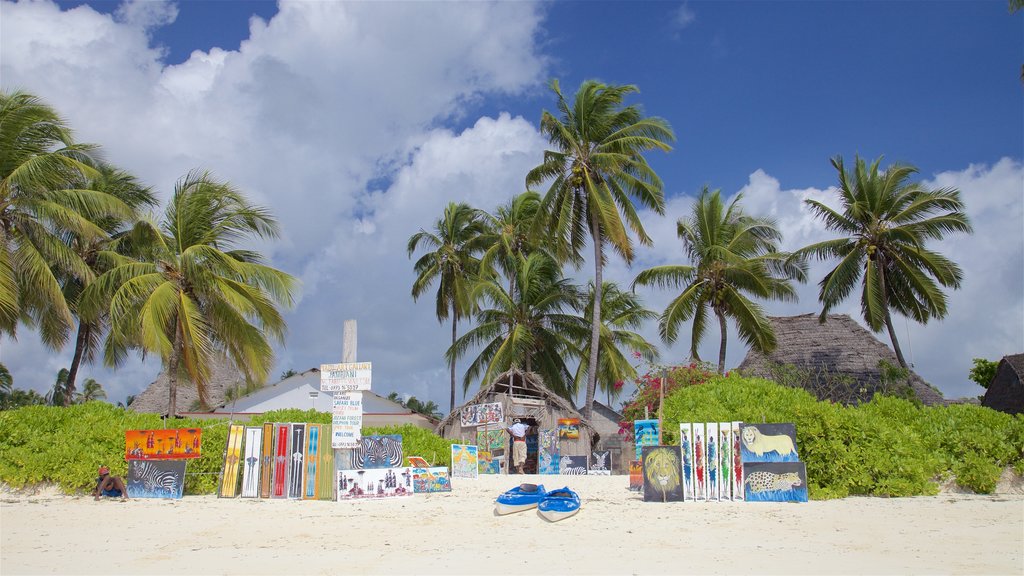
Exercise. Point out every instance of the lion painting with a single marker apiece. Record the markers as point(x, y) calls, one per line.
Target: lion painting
point(662, 473)
point(760, 444)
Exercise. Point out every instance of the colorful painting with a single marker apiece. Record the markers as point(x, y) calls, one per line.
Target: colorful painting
point(173, 444)
point(768, 442)
point(686, 451)
point(662, 471)
point(645, 433)
point(490, 439)
point(417, 462)
point(700, 462)
point(325, 473)
point(600, 463)
point(636, 475)
point(572, 465)
point(737, 461)
point(267, 454)
point(547, 451)
point(569, 428)
point(479, 414)
point(232, 459)
point(775, 481)
point(378, 452)
point(548, 463)
point(281, 458)
point(309, 479)
point(488, 463)
point(155, 479)
point(251, 462)
point(711, 438)
point(725, 460)
point(464, 461)
point(298, 456)
point(431, 479)
point(374, 483)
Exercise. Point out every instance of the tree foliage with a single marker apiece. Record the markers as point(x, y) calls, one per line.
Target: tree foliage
point(983, 371)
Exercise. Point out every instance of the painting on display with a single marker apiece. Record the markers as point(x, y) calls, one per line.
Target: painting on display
point(645, 433)
point(569, 428)
point(725, 460)
point(464, 461)
point(662, 471)
point(572, 465)
point(686, 451)
point(251, 462)
point(279, 481)
point(700, 462)
point(487, 463)
point(298, 457)
point(600, 463)
point(636, 475)
point(493, 439)
point(547, 455)
point(432, 479)
point(417, 462)
point(325, 473)
point(737, 461)
point(775, 481)
point(155, 479)
point(173, 444)
point(711, 438)
point(232, 460)
point(480, 414)
point(374, 483)
point(267, 459)
point(378, 452)
point(309, 478)
point(768, 442)
point(548, 463)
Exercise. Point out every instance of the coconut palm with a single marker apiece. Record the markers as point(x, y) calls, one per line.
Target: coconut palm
point(195, 296)
point(6, 380)
point(509, 235)
point(621, 313)
point(38, 160)
point(452, 262)
point(91, 390)
point(732, 254)
point(58, 395)
point(886, 220)
point(533, 328)
point(596, 169)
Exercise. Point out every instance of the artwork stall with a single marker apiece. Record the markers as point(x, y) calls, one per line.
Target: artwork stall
point(558, 440)
point(157, 459)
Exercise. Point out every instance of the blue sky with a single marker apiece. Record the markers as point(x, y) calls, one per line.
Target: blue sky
point(356, 122)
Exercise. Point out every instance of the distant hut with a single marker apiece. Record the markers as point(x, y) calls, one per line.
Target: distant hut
point(839, 359)
point(1006, 391)
point(523, 396)
point(156, 397)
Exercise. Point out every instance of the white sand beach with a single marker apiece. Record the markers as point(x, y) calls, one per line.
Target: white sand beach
point(616, 532)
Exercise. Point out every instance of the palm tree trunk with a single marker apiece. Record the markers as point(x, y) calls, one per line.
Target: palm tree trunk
point(725, 334)
point(888, 317)
point(76, 360)
point(172, 373)
point(595, 323)
point(451, 403)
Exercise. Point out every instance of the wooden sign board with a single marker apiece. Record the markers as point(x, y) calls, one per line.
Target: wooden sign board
point(345, 377)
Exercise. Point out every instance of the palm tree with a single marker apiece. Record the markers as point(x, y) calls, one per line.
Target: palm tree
point(885, 220)
point(38, 160)
point(6, 380)
point(621, 312)
point(533, 329)
point(509, 235)
point(91, 390)
point(451, 261)
point(132, 193)
point(194, 296)
point(58, 395)
point(733, 254)
point(596, 171)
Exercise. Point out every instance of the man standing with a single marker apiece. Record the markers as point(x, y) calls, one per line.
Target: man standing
point(518, 430)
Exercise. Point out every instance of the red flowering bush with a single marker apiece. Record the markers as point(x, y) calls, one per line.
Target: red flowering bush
point(645, 400)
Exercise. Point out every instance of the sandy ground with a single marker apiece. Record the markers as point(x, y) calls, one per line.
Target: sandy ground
point(616, 532)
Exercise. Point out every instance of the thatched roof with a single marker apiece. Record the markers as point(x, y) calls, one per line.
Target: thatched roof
point(839, 346)
point(518, 383)
point(156, 397)
point(1006, 390)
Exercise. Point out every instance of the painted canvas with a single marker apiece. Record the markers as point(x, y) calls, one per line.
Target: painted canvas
point(432, 479)
point(297, 431)
point(251, 462)
point(267, 456)
point(636, 475)
point(171, 444)
point(326, 480)
point(600, 463)
point(645, 433)
point(768, 442)
point(490, 439)
point(374, 483)
point(775, 481)
point(232, 459)
point(464, 461)
point(313, 450)
point(725, 460)
point(155, 479)
point(686, 451)
point(711, 438)
point(417, 462)
point(737, 462)
point(378, 452)
point(572, 465)
point(547, 456)
point(281, 459)
point(479, 414)
point(700, 462)
point(548, 463)
point(569, 428)
point(662, 470)
point(487, 463)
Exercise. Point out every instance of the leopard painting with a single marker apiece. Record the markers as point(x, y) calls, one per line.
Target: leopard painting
point(766, 481)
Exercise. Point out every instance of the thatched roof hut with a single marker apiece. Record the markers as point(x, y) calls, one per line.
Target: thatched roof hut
point(156, 396)
point(839, 359)
point(523, 395)
point(1006, 390)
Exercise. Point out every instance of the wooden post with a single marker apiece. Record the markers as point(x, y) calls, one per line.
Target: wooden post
point(661, 404)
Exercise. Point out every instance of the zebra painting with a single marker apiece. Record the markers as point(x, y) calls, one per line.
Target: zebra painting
point(161, 479)
point(573, 466)
point(376, 452)
point(600, 463)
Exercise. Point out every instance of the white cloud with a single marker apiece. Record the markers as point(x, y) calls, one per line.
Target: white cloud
point(683, 16)
point(147, 14)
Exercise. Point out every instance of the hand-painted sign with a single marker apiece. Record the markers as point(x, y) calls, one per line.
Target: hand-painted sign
point(173, 444)
point(345, 377)
point(348, 420)
point(479, 414)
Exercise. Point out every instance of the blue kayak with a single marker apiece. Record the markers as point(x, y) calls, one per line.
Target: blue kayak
point(522, 497)
point(559, 505)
